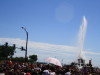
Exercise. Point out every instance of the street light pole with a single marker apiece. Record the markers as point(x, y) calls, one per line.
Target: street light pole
point(26, 43)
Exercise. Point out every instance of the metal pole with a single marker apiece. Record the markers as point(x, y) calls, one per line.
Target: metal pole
point(26, 43)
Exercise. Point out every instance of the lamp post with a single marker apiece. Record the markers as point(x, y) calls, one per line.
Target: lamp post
point(26, 43)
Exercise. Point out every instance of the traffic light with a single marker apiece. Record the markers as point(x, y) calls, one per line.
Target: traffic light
point(14, 46)
point(6, 44)
point(22, 48)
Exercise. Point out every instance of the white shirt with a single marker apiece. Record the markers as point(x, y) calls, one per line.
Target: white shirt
point(45, 72)
point(67, 73)
point(52, 73)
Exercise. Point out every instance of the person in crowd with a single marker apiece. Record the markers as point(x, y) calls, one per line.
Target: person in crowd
point(45, 72)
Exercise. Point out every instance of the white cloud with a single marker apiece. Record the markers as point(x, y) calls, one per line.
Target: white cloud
point(92, 53)
point(44, 50)
point(38, 45)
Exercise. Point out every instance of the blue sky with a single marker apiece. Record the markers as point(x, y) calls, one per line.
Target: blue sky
point(53, 22)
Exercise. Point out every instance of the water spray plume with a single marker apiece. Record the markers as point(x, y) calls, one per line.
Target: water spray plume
point(82, 34)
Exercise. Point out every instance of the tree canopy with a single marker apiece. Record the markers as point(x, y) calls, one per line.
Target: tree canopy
point(33, 58)
point(6, 50)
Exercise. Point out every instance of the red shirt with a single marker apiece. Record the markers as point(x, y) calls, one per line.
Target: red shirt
point(28, 73)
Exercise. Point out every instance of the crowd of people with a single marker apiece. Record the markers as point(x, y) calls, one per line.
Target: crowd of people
point(9, 68)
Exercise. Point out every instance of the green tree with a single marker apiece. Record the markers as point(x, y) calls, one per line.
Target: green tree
point(33, 58)
point(7, 51)
point(18, 59)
